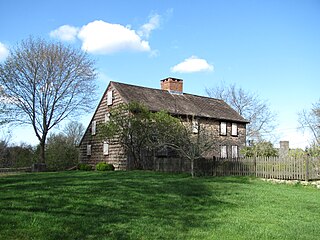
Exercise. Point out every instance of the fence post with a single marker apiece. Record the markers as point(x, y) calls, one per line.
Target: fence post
point(255, 166)
point(307, 169)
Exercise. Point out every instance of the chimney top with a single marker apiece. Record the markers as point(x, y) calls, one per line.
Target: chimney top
point(171, 78)
point(172, 85)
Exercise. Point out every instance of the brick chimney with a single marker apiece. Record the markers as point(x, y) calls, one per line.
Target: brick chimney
point(284, 148)
point(172, 85)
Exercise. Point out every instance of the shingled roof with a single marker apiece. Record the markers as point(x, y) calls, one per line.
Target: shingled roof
point(178, 104)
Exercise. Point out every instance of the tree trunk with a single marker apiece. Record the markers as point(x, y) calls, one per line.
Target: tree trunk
point(192, 167)
point(42, 152)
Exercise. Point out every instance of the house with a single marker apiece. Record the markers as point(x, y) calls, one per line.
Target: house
point(227, 126)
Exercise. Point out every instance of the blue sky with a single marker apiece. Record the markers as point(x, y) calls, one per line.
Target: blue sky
point(271, 48)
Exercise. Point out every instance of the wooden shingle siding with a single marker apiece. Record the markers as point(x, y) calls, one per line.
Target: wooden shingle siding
point(207, 113)
point(116, 154)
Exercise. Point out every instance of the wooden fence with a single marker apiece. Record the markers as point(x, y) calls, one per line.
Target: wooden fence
point(304, 168)
point(13, 170)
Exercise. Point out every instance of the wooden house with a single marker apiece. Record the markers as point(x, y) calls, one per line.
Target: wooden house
point(227, 126)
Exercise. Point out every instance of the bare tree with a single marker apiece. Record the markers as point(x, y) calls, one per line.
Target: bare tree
point(74, 131)
point(248, 105)
point(43, 83)
point(310, 120)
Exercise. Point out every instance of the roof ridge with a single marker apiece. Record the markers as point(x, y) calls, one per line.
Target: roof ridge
point(158, 89)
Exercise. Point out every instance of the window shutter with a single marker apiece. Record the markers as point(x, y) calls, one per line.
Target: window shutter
point(109, 98)
point(105, 148)
point(195, 126)
point(223, 128)
point(93, 127)
point(234, 129)
point(107, 117)
point(234, 151)
point(223, 152)
point(88, 150)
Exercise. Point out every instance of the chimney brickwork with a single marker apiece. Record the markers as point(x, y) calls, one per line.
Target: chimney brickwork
point(284, 149)
point(173, 85)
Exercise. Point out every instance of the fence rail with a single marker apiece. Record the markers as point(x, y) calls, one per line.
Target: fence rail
point(304, 168)
point(11, 170)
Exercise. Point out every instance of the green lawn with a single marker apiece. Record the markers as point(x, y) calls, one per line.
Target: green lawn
point(149, 205)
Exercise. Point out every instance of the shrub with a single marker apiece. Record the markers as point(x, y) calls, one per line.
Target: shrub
point(84, 167)
point(104, 167)
point(61, 153)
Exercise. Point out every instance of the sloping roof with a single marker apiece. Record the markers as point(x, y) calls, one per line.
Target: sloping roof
point(178, 104)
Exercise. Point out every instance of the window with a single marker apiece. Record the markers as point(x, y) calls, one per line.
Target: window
point(88, 150)
point(223, 128)
point(107, 117)
point(93, 127)
point(109, 98)
point(235, 151)
point(234, 129)
point(195, 126)
point(223, 152)
point(105, 148)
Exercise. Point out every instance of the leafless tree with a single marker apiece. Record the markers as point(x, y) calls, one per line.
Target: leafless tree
point(310, 119)
point(248, 105)
point(74, 131)
point(43, 83)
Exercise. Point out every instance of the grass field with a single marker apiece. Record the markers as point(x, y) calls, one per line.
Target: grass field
point(149, 205)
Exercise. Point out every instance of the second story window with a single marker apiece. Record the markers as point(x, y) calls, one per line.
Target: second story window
point(234, 129)
point(223, 128)
point(107, 117)
point(195, 126)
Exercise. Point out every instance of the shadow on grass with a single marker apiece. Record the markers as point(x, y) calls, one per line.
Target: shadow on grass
point(112, 205)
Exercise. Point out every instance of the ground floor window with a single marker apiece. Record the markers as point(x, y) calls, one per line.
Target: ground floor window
point(88, 150)
point(223, 152)
point(105, 148)
point(235, 152)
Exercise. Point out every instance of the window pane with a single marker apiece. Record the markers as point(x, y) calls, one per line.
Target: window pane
point(107, 117)
point(195, 126)
point(223, 128)
point(234, 151)
point(88, 150)
point(93, 127)
point(234, 129)
point(223, 153)
point(109, 98)
point(105, 148)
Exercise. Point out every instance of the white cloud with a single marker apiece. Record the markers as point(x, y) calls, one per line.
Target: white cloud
point(192, 64)
point(101, 37)
point(4, 52)
point(154, 23)
point(65, 33)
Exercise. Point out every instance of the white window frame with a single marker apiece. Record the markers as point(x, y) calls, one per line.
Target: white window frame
point(94, 127)
point(88, 150)
point(234, 129)
point(223, 151)
point(109, 97)
point(223, 128)
point(195, 126)
point(105, 148)
point(234, 151)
